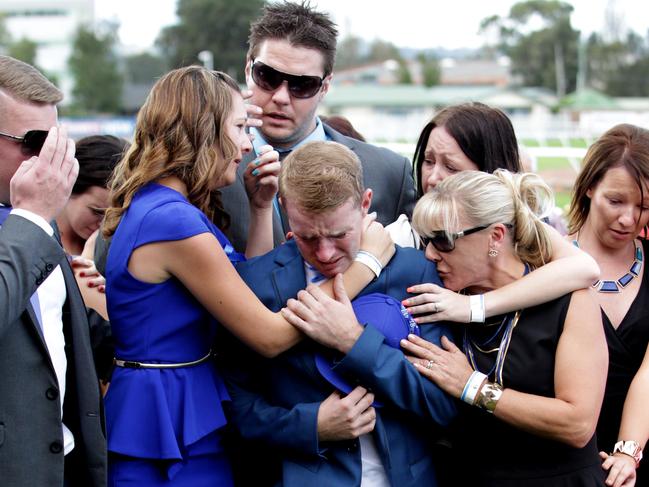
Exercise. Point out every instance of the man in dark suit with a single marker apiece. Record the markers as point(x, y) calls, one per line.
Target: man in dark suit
point(289, 70)
point(310, 433)
point(50, 409)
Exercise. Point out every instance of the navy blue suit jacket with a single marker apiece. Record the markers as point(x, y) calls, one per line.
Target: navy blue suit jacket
point(275, 401)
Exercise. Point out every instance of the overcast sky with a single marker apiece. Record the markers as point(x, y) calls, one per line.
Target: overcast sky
point(413, 23)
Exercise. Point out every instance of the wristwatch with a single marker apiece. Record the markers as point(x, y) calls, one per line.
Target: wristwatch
point(631, 448)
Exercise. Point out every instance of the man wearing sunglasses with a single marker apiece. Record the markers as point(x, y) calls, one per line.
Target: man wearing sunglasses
point(289, 70)
point(50, 411)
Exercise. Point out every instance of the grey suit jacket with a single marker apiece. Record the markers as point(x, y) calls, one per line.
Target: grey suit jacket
point(31, 439)
point(388, 174)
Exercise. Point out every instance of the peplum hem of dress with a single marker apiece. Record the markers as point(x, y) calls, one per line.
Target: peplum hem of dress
point(165, 413)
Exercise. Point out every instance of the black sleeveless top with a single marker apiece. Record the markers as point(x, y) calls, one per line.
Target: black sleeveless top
point(496, 453)
point(626, 349)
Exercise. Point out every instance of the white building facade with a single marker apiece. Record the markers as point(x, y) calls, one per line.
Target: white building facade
point(51, 24)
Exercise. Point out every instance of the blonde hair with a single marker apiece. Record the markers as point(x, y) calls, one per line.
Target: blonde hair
point(320, 176)
point(180, 131)
point(24, 82)
point(519, 200)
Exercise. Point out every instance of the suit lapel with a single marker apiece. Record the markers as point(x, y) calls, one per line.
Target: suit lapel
point(288, 278)
point(336, 136)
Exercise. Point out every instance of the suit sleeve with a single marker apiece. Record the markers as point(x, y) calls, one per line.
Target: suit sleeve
point(27, 256)
point(293, 430)
point(407, 192)
point(392, 378)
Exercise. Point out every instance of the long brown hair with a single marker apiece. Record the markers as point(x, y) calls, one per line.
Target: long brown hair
point(623, 145)
point(180, 131)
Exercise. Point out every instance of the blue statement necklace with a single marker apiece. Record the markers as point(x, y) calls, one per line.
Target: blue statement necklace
point(609, 286)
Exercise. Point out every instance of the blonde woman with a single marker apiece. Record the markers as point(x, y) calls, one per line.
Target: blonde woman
point(533, 379)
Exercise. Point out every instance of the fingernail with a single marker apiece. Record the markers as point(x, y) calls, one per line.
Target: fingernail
point(409, 289)
point(416, 320)
point(404, 302)
point(90, 284)
point(256, 162)
point(410, 335)
point(82, 274)
point(255, 172)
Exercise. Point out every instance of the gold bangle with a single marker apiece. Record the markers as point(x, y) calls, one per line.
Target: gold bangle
point(489, 396)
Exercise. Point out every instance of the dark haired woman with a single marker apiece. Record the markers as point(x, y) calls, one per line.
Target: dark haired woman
point(97, 155)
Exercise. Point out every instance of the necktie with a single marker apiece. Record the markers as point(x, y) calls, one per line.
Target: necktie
point(314, 276)
point(278, 208)
point(4, 213)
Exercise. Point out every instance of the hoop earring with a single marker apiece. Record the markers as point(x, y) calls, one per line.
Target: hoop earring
point(492, 253)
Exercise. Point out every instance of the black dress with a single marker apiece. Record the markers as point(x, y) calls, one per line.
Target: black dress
point(626, 348)
point(495, 453)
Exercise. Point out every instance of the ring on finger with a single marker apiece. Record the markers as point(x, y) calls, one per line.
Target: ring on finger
point(436, 308)
point(429, 364)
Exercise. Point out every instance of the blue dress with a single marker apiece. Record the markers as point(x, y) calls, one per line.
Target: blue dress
point(164, 426)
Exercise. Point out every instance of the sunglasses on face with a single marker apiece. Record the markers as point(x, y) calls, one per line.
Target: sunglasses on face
point(445, 242)
point(269, 79)
point(31, 143)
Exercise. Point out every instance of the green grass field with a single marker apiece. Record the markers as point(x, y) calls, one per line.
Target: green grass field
point(552, 163)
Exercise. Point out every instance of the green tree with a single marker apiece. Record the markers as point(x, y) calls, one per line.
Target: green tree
point(218, 26)
point(403, 73)
point(144, 68)
point(5, 37)
point(619, 67)
point(24, 50)
point(349, 53)
point(543, 57)
point(95, 68)
point(381, 50)
point(431, 71)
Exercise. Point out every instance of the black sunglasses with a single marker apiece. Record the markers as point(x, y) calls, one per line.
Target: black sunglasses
point(32, 142)
point(269, 79)
point(445, 242)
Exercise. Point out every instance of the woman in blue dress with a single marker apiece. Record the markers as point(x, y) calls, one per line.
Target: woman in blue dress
point(170, 279)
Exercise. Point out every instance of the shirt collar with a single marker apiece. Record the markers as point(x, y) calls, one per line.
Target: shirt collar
point(318, 134)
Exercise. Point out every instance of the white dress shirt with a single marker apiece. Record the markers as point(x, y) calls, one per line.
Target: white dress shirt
point(372, 471)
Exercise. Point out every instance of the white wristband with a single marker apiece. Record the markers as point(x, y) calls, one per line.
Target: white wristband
point(472, 387)
point(370, 261)
point(477, 308)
